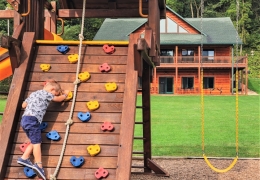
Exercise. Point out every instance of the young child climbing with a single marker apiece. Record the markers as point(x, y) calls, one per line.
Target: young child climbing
point(35, 107)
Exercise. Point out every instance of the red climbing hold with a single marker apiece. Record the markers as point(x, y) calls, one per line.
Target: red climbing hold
point(104, 67)
point(109, 49)
point(107, 126)
point(24, 146)
point(101, 172)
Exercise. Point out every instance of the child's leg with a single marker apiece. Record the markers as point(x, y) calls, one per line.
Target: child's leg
point(37, 153)
point(27, 152)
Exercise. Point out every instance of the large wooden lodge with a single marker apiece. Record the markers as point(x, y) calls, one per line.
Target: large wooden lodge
point(181, 40)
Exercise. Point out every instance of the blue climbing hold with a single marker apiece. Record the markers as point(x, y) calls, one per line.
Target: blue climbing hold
point(77, 162)
point(84, 116)
point(29, 172)
point(53, 135)
point(43, 126)
point(63, 49)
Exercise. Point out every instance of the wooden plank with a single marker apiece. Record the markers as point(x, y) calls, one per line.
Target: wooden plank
point(9, 121)
point(70, 77)
point(77, 128)
point(105, 139)
point(7, 14)
point(90, 162)
point(95, 117)
point(87, 50)
point(92, 95)
point(91, 68)
point(83, 87)
point(64, 173)
point(100, 13)
point(95, 59)
point(128, 116)
point(71, 150)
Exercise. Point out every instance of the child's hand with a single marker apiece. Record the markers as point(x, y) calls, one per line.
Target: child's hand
point(66, 92)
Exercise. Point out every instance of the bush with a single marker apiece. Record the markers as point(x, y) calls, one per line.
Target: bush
point(5, 84)
point(254, 84)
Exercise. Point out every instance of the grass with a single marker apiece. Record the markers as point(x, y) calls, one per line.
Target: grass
point(2, 105)
point(254, 84)
point(176, 126)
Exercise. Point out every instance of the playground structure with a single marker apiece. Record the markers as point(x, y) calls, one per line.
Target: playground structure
point(29, 52)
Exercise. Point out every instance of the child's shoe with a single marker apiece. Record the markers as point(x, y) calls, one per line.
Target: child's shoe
point(39, 171)
point(26, 162)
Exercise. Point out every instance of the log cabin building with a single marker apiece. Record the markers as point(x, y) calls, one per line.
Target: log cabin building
point(181, 42)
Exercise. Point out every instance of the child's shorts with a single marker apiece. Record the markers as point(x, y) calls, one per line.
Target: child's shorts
point(31, 127)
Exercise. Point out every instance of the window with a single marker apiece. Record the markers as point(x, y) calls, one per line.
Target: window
point(187, 83)
point(166, 56)
point(209, 53)
point(187, 55)
point(208, 82)
point(169, 26)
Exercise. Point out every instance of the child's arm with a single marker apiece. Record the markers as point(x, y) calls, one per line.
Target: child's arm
point(61, 97)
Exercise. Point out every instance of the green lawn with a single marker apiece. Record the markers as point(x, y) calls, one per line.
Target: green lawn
point(176, 126)
point(2, 106)
point(254, 84)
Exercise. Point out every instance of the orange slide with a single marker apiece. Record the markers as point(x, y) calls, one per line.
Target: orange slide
point(5, 65)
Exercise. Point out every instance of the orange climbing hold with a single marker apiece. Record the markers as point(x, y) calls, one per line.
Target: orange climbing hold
point(92, 105)
point(104, 67)
point(24, 146)
point(93, 150)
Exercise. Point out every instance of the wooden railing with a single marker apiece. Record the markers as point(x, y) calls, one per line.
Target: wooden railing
point(205, 59)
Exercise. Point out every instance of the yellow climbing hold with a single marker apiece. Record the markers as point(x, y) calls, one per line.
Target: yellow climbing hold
point(84, 76)
point(69, 96)
point(111, 87)
point(45, 67)
point(93, 150)
point(73, 58)
point(92, 105)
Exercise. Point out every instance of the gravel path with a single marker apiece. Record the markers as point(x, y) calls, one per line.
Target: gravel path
point(197, 169)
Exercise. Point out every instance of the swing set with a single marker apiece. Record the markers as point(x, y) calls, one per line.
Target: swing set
point(202, 100)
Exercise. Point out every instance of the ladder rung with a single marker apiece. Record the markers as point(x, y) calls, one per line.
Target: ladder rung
point(138, 167)
point(139, 107)
point(139, 122)
point(135, 152)
point(139, 138)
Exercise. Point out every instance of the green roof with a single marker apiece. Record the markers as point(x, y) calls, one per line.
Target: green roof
point(215, 31)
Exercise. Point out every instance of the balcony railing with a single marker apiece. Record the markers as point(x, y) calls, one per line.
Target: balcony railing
point(205, 59)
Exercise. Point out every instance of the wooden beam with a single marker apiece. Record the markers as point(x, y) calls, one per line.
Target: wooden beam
point(143, 47)
point(138, 61)
point(156, 168)
point(99, 13)
point(14, 100)
point(6, 14)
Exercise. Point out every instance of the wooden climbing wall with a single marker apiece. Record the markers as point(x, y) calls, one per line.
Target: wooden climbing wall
point(82, 134)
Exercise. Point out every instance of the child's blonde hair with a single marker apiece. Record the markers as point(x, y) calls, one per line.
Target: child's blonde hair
point(55, 85)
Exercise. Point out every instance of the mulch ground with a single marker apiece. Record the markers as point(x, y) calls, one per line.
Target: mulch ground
point(197, 169)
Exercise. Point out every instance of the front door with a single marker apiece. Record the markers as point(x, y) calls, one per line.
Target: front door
point(165, 85)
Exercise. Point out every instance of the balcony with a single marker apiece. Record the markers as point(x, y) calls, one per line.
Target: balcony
point(207, 61)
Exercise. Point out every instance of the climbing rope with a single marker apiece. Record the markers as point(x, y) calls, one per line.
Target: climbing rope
point(202, 106)
point(76, 82)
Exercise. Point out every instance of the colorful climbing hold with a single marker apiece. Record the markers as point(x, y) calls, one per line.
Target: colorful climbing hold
point(45, 67)
point(108, 49)
point(84, 116)
point(53, 135)
point(73, 58)
point(63, 49)
point(29, 172)
point(104, 67)
point(111, 87)
point(43, 126)
point(84, 76)
point(92, 105)
point(69, 96)
point(101, 173)
point(107, 126)
point(24, 146)
point(93, 150)
point(77, 162)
